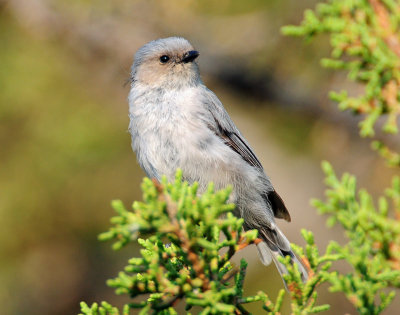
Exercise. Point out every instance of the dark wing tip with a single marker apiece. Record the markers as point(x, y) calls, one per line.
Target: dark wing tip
point(278, 206)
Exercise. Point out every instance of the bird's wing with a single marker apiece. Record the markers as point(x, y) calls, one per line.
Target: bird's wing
point(226, 129)
point(238, 144)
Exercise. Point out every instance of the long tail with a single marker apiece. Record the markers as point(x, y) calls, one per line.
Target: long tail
point(276, 244)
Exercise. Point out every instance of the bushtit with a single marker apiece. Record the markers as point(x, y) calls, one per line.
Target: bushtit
point(177, 122)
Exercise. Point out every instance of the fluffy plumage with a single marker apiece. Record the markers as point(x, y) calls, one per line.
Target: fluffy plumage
point(177, 122)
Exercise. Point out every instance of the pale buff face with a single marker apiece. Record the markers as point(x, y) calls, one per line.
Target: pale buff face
point(168, 61)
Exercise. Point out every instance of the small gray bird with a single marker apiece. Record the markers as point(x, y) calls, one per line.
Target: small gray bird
point(177, 122)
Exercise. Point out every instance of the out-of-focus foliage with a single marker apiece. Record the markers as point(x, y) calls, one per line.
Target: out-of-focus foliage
point(63, 152)
point(365, 41)
point(185, 260)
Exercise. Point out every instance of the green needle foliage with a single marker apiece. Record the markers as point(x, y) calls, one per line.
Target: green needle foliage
point(181, 256)
point(185, 259)
point(364, 35)
point(372, 250)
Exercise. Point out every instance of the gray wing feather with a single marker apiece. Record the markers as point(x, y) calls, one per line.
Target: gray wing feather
point(226, 129)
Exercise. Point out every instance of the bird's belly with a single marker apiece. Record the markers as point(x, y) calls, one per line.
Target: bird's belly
point(162, 141)
point(158, 151)
point(200, 157)
point(214, 163)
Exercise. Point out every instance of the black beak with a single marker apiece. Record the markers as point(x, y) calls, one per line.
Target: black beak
point(190, 56)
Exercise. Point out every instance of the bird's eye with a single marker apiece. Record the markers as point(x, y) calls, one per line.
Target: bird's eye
point(164, 59)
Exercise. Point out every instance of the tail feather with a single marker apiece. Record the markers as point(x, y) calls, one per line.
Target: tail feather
point(264, 253)
point(274, 238)
point(275, 244)
point(294, 260)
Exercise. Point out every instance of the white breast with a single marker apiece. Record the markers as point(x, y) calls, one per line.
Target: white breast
point(164, 128)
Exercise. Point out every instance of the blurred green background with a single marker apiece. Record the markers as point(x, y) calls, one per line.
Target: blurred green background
point(65, 151)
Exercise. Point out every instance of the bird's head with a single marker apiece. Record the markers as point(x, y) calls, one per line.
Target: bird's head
point(166, 62)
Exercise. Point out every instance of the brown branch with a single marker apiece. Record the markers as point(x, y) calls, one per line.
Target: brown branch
point(395, 259)
point(182, 236)
point(244, 245)
point(389, 36)
point(230, 275)
point(306, 263)
point(389, 93)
